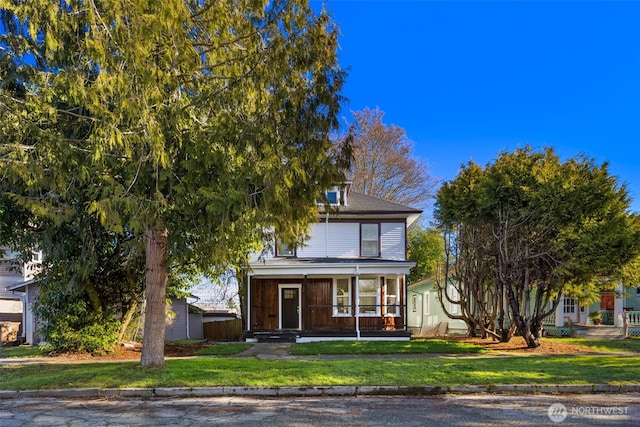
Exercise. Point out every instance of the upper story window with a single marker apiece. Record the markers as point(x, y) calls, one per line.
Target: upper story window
point(336, 196)
point(370, 240)
point(333, 197)
point(284, 250)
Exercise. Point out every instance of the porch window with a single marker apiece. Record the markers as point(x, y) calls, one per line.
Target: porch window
point(369, 297)
point(341, 297)
point(414, 303)
point(569, 305)
point(392, 296)
point(370, 240)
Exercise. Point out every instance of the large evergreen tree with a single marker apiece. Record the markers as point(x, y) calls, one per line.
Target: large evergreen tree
point(547, 224)
point(200, 125)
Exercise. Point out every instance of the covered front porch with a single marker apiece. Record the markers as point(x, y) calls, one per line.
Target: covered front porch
point(312, 300)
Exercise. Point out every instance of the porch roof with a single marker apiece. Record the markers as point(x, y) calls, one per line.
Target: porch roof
point(20, 286)
point(329, 266)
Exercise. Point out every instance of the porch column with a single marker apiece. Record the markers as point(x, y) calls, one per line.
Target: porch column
point(618, 308)
point(248, 311)
point(404, 300)
point(357, 302)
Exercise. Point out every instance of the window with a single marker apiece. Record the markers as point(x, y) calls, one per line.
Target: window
point(332, 196)
point(370, 236)
point(341, 297)
point(284, 250)
point(569, 305)
point(335, 197)
point(414, 303)
point(454, 295)
point(369, 296)
point(426, 303)
point(392, 296)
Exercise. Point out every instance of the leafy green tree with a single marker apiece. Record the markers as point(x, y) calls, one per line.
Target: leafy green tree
point(425, 248)
point(199, 126)
point(551, 223)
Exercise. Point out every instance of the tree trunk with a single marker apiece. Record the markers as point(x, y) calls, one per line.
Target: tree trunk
point(155, 294)
point(126, 319)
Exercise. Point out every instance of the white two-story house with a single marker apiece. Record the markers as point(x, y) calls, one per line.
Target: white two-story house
point(346, 282)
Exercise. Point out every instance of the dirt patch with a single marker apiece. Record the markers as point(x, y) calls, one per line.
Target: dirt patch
point(517, 345)
point(134, 351)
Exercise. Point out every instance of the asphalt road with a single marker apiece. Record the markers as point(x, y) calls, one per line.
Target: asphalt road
point(467, 410)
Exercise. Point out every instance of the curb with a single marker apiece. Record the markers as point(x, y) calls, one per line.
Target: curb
point(317, 391)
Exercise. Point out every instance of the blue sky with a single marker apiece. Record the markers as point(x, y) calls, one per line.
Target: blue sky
point(467, 80)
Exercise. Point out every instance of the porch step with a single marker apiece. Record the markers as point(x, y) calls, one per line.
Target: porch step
point(598, 331)
point(275, 337)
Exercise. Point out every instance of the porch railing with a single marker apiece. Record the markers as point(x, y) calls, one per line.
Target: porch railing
point(381, 317)
point(608, 317)
point(631, 323)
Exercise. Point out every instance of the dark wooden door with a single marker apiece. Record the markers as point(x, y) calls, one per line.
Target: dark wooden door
point(290, 308)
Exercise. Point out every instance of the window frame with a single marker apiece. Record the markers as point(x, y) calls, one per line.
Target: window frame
point(378, 287)
point(335, 308)
point(569, 303)
point(396, 295)
point(291, 253)
point(378, 252)
point(426, 304)
point(454, 308)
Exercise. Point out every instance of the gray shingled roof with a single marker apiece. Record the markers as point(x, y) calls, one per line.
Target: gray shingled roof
point(362, 203)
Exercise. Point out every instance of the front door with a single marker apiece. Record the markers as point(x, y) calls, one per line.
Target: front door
point(290, 315)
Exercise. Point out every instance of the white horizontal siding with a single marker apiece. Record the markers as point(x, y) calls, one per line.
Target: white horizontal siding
point(314, 247)
point(392, 241)
point(343, 241)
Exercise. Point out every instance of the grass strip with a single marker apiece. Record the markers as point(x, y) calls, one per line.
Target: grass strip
point(226, 349)
point(24, 351)
point(384, 347)
point(439, 371)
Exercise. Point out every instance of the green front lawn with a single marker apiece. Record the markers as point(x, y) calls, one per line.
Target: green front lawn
point(438, 371)
point(24, 351)
point(384, 347)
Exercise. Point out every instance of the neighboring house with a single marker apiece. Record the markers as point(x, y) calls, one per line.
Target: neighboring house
point(425, 314)
point(426, 317)
point(185, 321)
point(17, 292)
point(613, 307)
point(346, 282)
